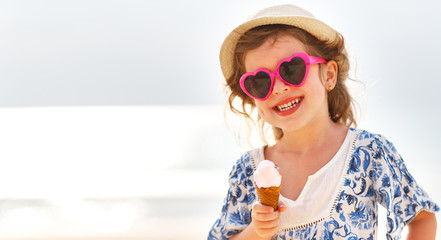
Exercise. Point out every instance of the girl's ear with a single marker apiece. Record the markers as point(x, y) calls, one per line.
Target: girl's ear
point(330, 75)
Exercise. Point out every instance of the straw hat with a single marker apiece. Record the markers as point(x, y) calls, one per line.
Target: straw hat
point(281, 14)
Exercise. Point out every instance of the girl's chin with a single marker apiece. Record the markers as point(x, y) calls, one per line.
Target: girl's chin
point(290, 125)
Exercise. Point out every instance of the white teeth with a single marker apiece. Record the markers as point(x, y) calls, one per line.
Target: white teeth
point(289, 105)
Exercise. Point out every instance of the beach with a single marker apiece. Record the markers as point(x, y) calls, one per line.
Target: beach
point(126, 172)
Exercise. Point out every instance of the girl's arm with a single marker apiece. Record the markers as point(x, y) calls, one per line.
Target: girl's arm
point(422, 227)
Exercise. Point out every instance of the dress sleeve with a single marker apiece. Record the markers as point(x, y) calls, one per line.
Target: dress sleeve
point(397, 190)
point(236, 211)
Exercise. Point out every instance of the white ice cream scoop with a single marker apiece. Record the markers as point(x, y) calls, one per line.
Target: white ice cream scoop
point(266, 175)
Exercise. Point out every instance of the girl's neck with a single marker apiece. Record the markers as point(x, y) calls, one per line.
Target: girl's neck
point(310, 137)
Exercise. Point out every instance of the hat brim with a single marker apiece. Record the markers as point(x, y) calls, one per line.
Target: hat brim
point(315, 27)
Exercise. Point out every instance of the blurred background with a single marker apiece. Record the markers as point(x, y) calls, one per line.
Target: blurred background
point(112, 117)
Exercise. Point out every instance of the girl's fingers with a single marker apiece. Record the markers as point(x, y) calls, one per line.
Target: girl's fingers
point(266, 221)
point(268, 231)
point(259, 208)
point(282, 207)
point(267, 224)
point(266, 216)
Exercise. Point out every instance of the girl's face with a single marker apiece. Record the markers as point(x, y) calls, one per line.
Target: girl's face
point(289, 108)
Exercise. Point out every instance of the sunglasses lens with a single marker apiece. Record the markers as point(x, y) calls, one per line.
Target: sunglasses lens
point(258, 85)
point(293, 71)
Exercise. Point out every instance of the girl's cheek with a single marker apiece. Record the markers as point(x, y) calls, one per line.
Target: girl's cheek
point(260, 109)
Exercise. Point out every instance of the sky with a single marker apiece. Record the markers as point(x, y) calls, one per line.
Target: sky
point(151, 52)
point(163, 53)
point(100, 52)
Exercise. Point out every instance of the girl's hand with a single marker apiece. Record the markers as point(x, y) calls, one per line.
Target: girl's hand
point(266, 221)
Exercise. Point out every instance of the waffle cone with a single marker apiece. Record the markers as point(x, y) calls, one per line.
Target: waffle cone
point(269, 196)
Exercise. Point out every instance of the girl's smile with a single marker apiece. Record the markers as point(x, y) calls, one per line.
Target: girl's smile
point(288, 106)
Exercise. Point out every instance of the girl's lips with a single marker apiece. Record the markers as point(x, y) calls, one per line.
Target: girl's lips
point(288, 106)
point(287, 101)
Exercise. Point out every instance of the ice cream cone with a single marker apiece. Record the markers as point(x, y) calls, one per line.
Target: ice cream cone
point(269, 196)
point(268, 181)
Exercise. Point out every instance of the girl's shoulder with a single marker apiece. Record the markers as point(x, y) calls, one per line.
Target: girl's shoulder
point(363, 138)
point(251, 158)
point(371, 140)
point(365, 134)
point(375, 150)
point(246, 164)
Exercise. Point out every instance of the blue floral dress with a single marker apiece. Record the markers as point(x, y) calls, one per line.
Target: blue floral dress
point(375, 174)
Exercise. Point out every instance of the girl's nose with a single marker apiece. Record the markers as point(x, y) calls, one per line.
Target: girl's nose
point(280, 87)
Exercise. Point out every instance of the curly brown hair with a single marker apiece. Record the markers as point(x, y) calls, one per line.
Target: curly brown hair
point(341, 105)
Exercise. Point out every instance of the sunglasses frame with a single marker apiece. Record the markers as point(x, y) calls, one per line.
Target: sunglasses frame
point(309, 60)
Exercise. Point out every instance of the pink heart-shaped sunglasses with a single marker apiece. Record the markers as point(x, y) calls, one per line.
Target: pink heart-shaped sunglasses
point(292, 71)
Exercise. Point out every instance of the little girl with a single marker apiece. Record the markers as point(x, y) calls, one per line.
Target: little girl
point(292, 68)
